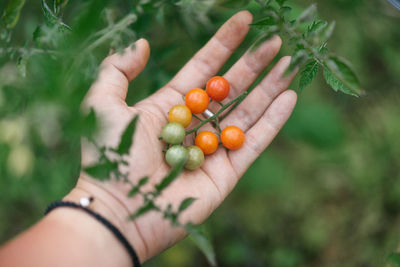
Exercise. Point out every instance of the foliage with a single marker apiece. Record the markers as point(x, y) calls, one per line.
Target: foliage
point(310, 44)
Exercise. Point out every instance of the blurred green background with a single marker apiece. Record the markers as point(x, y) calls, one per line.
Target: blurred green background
point(325, 193)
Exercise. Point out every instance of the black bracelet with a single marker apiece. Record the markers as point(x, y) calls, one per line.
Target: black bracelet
point(84, 203)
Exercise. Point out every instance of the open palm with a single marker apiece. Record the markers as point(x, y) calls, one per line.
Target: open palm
point(260, 116)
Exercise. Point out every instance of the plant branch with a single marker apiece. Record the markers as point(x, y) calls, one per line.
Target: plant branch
point(239, 98)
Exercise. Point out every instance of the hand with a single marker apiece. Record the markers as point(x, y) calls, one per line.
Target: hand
point(261, 115)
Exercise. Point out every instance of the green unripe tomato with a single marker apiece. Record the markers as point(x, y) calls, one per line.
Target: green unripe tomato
point(176, 155)
point(173, 133)
point(195, 159)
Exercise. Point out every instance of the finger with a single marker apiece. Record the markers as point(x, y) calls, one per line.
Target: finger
point(255, 104)
point(207, 62)
point(117, 71)
point(246, 70)
point(263, 132)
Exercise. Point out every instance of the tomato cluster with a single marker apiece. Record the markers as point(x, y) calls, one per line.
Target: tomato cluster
point(206, 142)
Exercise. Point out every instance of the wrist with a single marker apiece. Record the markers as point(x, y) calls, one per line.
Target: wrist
point(108, 206)
point(86, 239)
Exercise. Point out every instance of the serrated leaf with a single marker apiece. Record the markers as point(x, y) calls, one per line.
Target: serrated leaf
point(50, 17)
point(11, 14)
point(185, 204)
point(394, 258)
point(101, 171)
point(341, 77)
point(172, 175)
point(308, 14)
point(327, 32)
point(314, 29)
point(268, 34)
point(297, 60)
point(144, 209)
point(267, 21)
point(202, 242)
point(134, 190)
point(284, 10)
point(127, 137)
point(308, 74)
point(143, 181)
point(89, 124)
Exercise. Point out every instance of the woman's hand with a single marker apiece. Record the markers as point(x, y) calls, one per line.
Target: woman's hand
point(261, 115)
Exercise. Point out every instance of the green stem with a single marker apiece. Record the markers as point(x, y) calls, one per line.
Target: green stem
point(194, 115)
point(238, 99)
point(125, 22)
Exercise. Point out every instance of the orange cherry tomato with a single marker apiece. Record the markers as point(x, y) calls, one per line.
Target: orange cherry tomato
point(207, 142)
point(180, 114)
point(232, 137)
point(217, 88)
point(197, 100)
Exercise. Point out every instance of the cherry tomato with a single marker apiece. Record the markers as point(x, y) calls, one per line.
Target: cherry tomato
point(207, 141)
point(195, 159)
point(173, 133)
point(180, 114)
point(232, 137)
point(197, 100)
point(217, 88)
point(176, 155)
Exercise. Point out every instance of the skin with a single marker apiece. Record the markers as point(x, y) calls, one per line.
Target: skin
point(65, 233)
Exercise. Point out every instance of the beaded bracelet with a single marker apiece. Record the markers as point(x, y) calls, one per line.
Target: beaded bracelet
point(84, 204)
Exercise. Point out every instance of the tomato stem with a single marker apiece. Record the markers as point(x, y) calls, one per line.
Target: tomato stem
point(235, 101)
point(197, 117)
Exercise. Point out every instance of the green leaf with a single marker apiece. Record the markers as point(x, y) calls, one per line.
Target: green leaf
point(267, 21)
point(341, 77)
point(143, 181)
point(299, 57)
point(102, 171)
point(202, 242)
point(284, 10)
point(11, 13)
point(281, 2)
point(308, 74)
point(327, 32)
point(394, 258)
point(268, 34)
point(309, 14)
point(89, 124)
point(127, 137)
point(135, 189)
point(185, 204)
point(148, 206)
point(173, 174)
point(315, 28)
point(50, 17)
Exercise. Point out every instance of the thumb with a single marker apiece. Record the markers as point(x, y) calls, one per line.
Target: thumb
point(116, 71)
